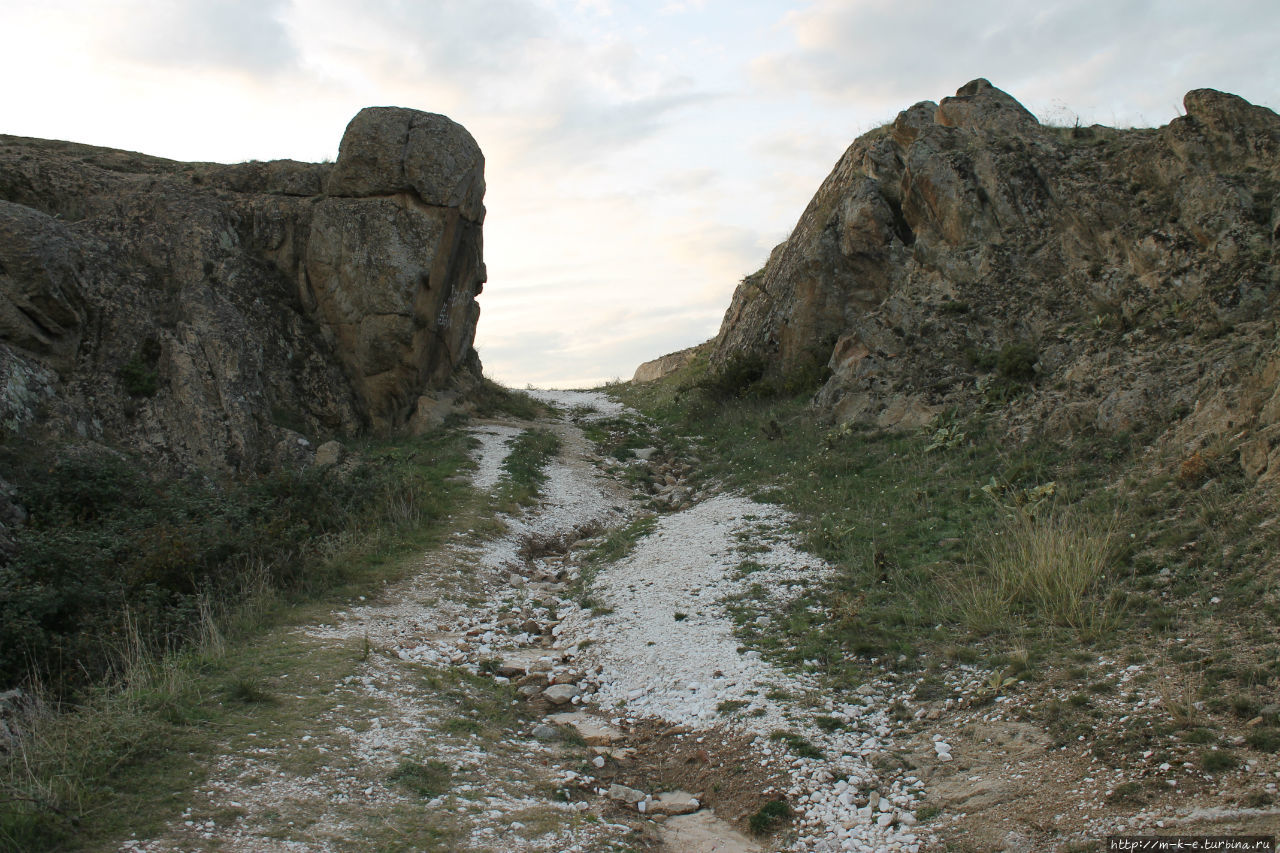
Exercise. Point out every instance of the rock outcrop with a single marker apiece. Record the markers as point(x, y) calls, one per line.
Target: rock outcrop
point(226, 317)
point(1086, 278)
point(665, 365)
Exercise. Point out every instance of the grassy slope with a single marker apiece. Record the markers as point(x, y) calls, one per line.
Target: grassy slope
point(948, 546)
point(119, 755)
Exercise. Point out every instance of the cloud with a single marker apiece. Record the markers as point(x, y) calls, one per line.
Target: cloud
point(240, 35)
point(583, 128)
point(678, 7)
point(615, 344)
point(458, 39)
point(723, 253)
point(886, 54)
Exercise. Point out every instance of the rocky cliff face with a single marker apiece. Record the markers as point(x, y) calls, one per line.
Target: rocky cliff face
point(1087, 278)
point(220, 316)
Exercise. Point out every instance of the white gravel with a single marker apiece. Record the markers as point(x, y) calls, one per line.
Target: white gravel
point(495, 444)
point(587, 405)
point(652, 665)
point(680, 670)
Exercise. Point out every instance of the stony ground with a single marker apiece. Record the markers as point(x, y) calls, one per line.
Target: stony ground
point(573, 681)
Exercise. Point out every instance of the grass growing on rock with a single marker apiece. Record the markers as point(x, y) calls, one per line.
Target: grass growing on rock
point(491, 399)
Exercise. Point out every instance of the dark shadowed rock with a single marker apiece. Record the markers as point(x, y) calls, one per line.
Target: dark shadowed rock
point(41, 307)
point(232, 316)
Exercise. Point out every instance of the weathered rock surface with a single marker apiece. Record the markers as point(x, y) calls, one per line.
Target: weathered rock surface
point(1127, 278)
point(665, 365)
point(212, 315)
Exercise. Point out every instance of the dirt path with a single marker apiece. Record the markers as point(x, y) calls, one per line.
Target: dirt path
point(576, 681)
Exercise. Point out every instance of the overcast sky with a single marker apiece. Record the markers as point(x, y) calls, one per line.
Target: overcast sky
point(641, 157)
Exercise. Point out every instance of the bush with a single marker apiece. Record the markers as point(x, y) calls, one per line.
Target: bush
point(747, 377)
point(769, 817)
point(109, 552)
point(1017, 362)
point(1218, 761)
point(139, 374)
point(736, 378)
point(429, 779)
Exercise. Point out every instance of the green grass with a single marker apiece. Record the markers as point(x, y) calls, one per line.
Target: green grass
point(111, 554)
point(1264, 739)
point(493, 400)
point(921, 550)
point(524, 469)
point(1218, 761)
point(769, 817)
point(424, 779)
point(829, 724)
point(798, 744)
point(179, 679)
point(616, 437)
point(1046, 566)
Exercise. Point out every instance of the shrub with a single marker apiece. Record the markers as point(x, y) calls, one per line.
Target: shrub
point(108, 552)
point(736, 378)
point(139, 374)
point(769, 816)
point(425, 780)
point(980, 359)
point(1017, 361)
point(1264, 740)
point(1218, 760)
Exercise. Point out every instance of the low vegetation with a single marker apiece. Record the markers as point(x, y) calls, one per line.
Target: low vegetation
point(126, 594)
point(523, 470)
point(957, 540)
point(111, 556)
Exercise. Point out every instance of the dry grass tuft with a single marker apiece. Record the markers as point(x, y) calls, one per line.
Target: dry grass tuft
point(1043, 567)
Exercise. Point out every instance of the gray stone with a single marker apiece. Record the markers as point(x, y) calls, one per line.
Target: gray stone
point(330, 453)
point(559, 694)
point(674, 803)
point(623, 794)
point(234, 308)
point(592, 729)
point(387, 150)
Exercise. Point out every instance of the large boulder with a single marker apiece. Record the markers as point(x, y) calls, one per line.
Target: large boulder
point(209, 315)
point(387, 150)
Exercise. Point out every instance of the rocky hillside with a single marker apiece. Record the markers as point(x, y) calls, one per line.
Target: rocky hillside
point(226, 317)
point(1089, 279)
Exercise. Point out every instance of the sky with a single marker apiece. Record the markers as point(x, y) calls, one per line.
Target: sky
point(641, 157)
